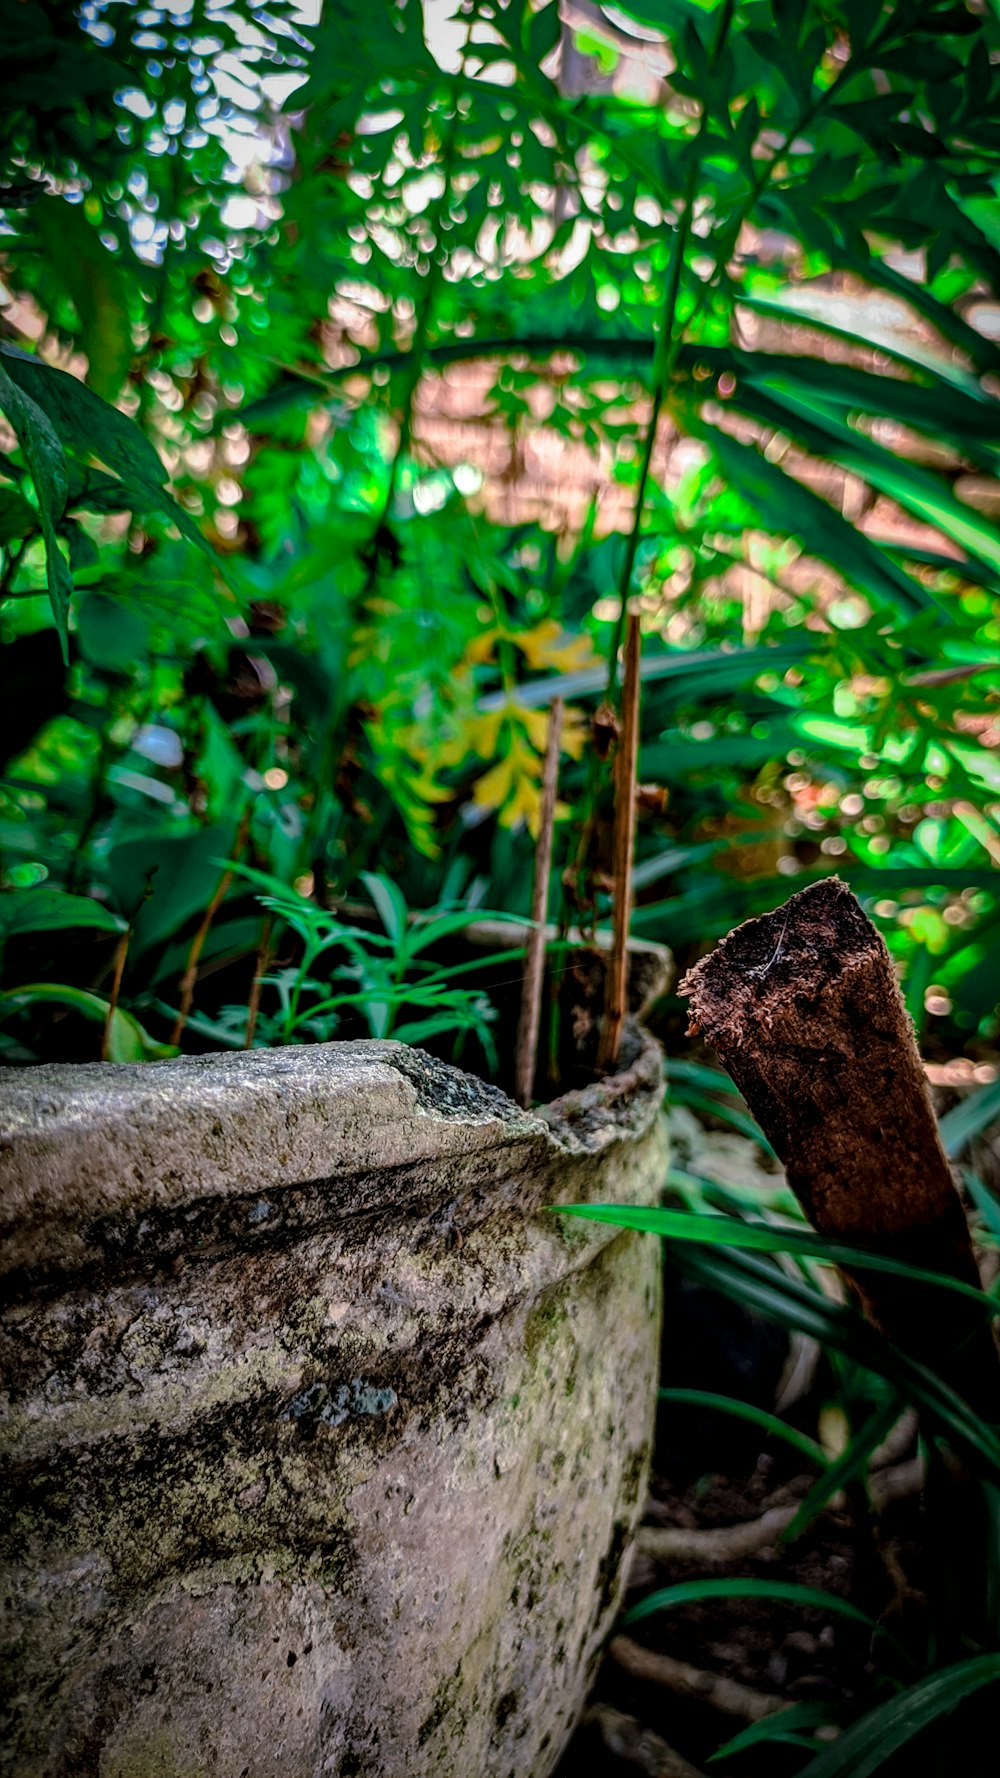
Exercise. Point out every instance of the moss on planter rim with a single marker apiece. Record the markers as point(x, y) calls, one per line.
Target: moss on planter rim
point(296, 1369)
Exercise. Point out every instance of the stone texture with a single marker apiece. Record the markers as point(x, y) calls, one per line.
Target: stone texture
point(324, 1443)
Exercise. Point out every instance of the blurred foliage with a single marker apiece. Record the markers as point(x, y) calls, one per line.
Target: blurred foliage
point(745, 262)
point(280, 636)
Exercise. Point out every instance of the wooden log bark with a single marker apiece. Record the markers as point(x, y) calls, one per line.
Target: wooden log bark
point(803, 1007)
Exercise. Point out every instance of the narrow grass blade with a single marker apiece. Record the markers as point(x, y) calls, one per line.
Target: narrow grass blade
point(985, 1201)
point(969, 1118)
point(715, 1079)
point(867, 1744)
point(846, 1467)
point(726, 1112)
point(728, 1231)
point(759, 1284)
point(785, 1592)
point(784, 1725)
point(745, 1410)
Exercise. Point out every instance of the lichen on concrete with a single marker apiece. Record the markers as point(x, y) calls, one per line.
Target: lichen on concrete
point(450, 1092)
point(324, 1445)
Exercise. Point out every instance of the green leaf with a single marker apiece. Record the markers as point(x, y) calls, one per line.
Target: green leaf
point(90, 428)
point(18, 517)
point(727, 1231)
point(759, 1284)
point(425, 932)
point(50, 910)
point(786, 507)
point(127, 1039)
point(91, 490)
point(111, 634)
point(986, 1202)
point(689, 1592)
point(675, 858)
point(273, 886)
point(792, 406)
point(490, 961)
point(388, 903)
point(701, 673)
point(678, 1068)
point(816, 309)
point(464, 1018)
point(779, 1726)
point(726, 1112)
point(744, 1410)
point(181, 872)
point(544, 30)
point(673, 758)
point(46, 462)
point(867, 1744)
point(850, 1463)
point(667, 15)
point(969, 1118)
point(928, 402)
point(96, 284)
point(949, 323)
point(227, 940)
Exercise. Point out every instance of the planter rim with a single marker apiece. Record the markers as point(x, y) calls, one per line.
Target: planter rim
point(87, 1143)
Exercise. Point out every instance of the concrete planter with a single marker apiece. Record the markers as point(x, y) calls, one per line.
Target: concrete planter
point(324, 1447)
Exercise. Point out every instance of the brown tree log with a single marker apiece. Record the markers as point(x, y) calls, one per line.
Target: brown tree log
point(803, 1007)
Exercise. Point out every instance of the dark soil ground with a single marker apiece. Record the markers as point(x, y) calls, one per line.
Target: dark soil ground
point(711, 1471)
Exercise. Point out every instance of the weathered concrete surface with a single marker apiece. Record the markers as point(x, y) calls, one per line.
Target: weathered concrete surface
point(323, 1445)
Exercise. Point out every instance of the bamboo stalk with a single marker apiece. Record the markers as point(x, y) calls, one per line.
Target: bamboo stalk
point(803, 1007)
point(626, 764)
point(526, 1052)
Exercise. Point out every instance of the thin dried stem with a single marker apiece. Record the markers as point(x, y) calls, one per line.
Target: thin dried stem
point(526, 1052)
point(260, 970)
point(121, 952)
point(626, 764)
point(190, 976)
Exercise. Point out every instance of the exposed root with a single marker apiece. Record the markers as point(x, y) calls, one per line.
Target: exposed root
point(907, 1600)
point(731, 1543)
point(630, 1741)
point(799, 1373)
point(897, 1441)
point(902, 1482)
point(724, 1544)
point(727, 1696)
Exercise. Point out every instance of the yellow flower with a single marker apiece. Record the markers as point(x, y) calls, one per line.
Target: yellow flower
point(550, 646)
point(511, 786)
